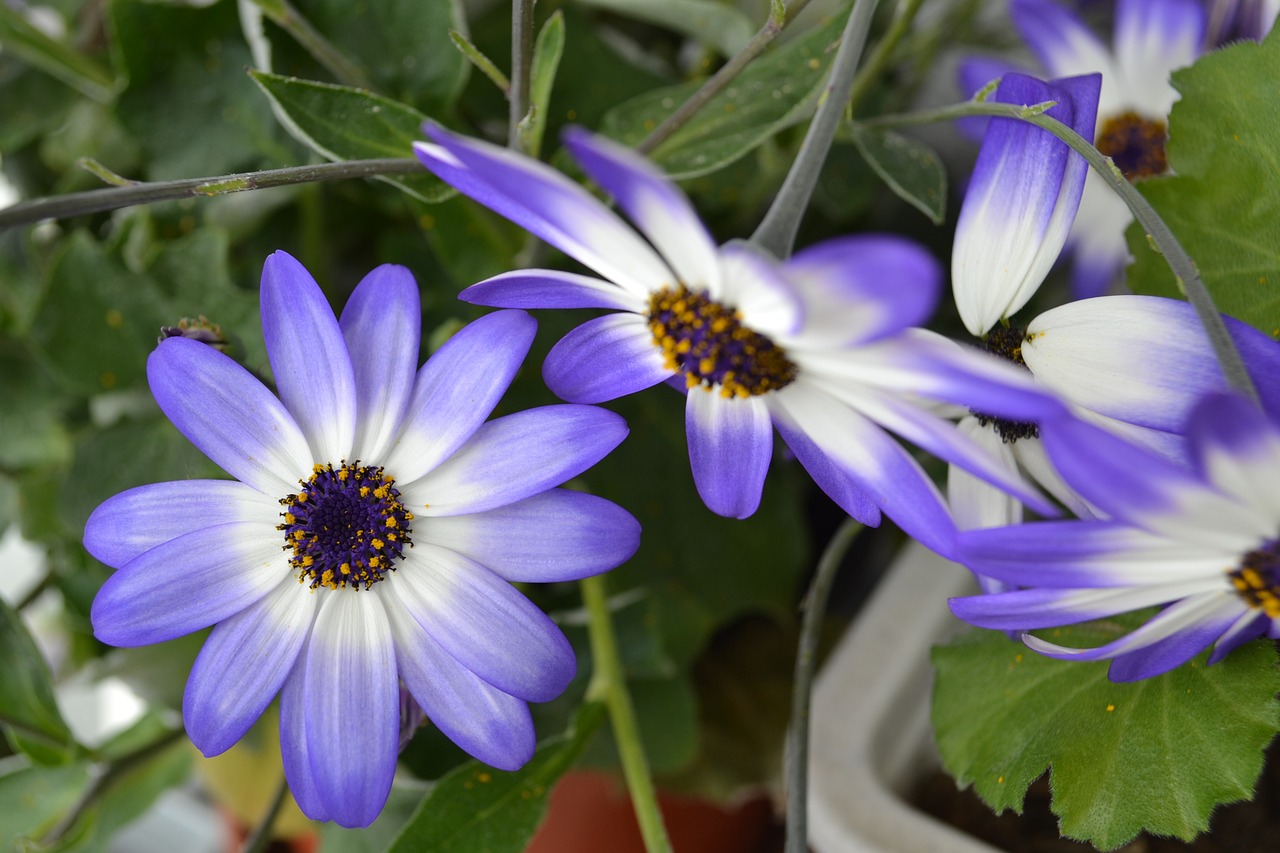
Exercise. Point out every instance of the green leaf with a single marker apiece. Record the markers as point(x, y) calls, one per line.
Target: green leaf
point(546, 60)
point(351, 124)
point(53, 57)
point(908, 166)
point(1223, 201)
point(776, 91)
point(35, 797)
point(27, 700)
point(723, 27)
point(478, 809)
point(1155, 755)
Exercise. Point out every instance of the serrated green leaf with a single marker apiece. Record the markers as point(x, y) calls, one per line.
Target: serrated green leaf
point(1155, 755)
point(27, 700)
point(1223, 201)
point(910, 168)
point(723, 27)
point(62, 61)
point(776, 91)
point(351, 124)
point(478, 809)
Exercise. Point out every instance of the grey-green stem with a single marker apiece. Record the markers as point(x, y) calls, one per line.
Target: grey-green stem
point(1184, 269)
point(777, 232)
point(521, 69)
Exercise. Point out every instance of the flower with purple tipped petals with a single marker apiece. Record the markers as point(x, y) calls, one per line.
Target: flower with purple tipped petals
point(820, 347)
point(368, 542)
point(1203, 543)
point(1230, 20)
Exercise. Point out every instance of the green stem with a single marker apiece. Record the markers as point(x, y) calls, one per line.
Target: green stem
point(111, 198)
point(777, 232)
point(609, 683)
point(261, 837)
point(779, 17)
point(879, 58)
point(285, 16)
point(815, 607)
point(1184, 269)
point(521, 69)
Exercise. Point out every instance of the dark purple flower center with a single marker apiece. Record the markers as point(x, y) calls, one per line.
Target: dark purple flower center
point(1006, 342)
point(346, 527)
point(1135, 144)
point(707, 342)
point(1257, 580)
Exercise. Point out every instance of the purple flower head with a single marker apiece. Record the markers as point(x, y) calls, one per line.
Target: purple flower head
point(369, 538)
point(820, 347)
point(1201, 542)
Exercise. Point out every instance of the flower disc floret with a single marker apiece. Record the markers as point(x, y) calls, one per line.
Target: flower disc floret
point(1006, 342)
point(1136, 144)
point(707, 342)
point(346, 527)
point(1257, 580)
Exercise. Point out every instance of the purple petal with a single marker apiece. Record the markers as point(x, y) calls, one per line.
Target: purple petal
point(1159, 656)
point(189, 583)
point(1026, 609)
point(490, 725)
point(1021, 201)
point(243, 665)
point(293, 744)
point(132, 522)
point(860, 289)
point(382, 325)
point(485, 624)
point(550, 289)
point(876, 463)
point(515, 457)
point(1248, 626)
point(1152, 39)
point(826, 473)
point(1237, 448)
point(653, 203)
point(730, 444)
point(457, 389)
point(351, 703)
point(603, 359)
point(974, 502)
point(1060, 40)
point(546, 203)
point(973, 75)
point(308, 357)
point(231, 416)
point(559, 535)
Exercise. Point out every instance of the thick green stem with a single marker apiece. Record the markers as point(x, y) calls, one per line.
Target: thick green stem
point(879, 58)
point(779, 16)
point(521, 69)
point(609, 683)
point(261, 837)
point(1184, 269)
point(815, 606)
point(777, 232)
point(111, 198)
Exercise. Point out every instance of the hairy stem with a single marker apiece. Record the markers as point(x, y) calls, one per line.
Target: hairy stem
point(879, 58)
point(111, 198)
point(609, 682)
point(779, 16)
point(815, 606)
point(777, 232)
point(261, 837)
point(1183, 267)
point(521, 66)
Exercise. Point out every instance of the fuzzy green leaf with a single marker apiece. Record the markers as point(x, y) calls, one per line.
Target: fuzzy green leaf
point(1223, 201)
point(910, 168)
point(1155, 755)
point(475, 808)
point(776, 91)
point(27, 700)
point(546, 61)
point(352, 124)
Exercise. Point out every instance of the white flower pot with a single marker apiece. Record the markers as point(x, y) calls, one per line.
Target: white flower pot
point(870, 738)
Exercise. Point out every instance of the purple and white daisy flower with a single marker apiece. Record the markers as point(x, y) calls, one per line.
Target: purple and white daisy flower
point(1202, 542)
point(1240, 19)
point(820, 346)
point(1152, 38)
point(370, 537)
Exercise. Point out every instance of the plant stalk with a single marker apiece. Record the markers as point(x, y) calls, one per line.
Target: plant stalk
point(797, 763)
point(261, 837)
point(609, 683)
point(777, 232)
point(521, 69)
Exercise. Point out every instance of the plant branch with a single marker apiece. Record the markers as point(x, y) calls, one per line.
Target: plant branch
point(779, 17)
point(111, 198)
point(815, 606)
point(261, 837)
point(777, 232)
point(1183, 267)
point(521, 69)
point(291, 21)
point(879, 58)
point(609, 682)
